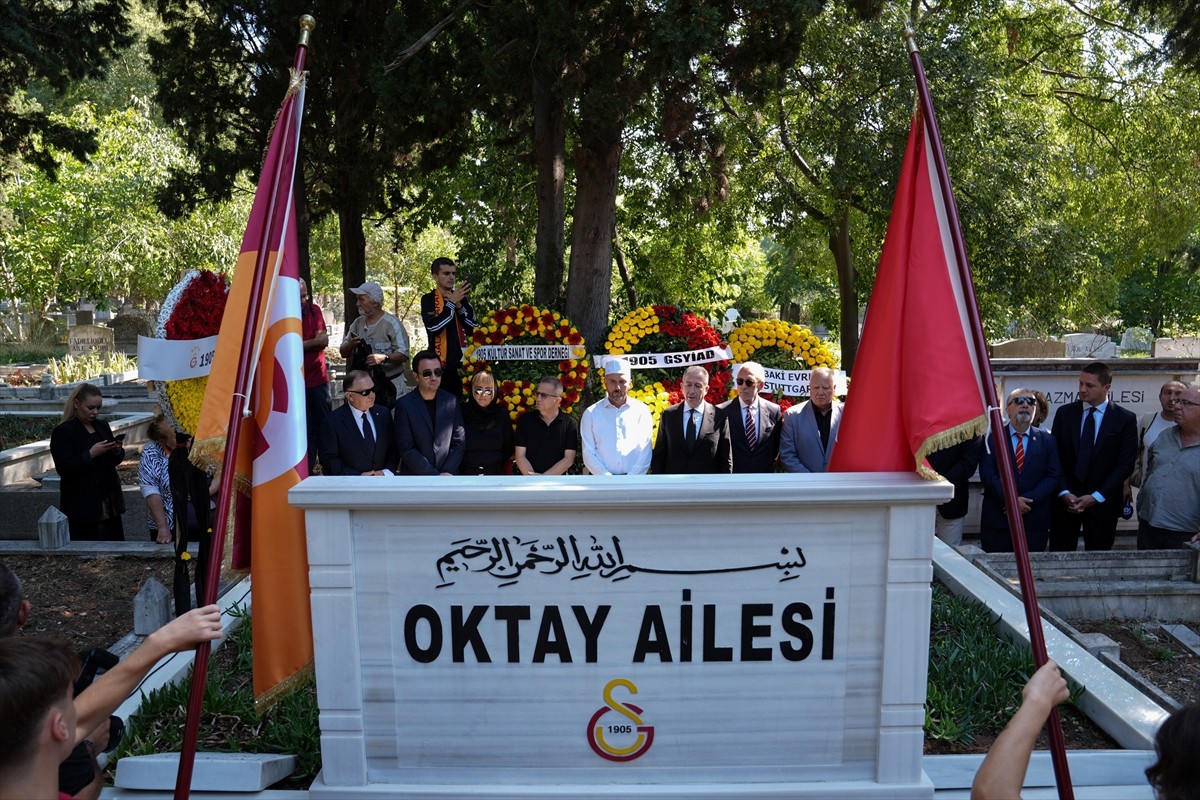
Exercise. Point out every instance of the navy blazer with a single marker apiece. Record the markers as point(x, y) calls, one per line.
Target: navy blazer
point(343, 450)
point(1112, 459)
point(800, 448)
point(766, 450)
point(1040, 480)
point(710, 452)
point(424, 451)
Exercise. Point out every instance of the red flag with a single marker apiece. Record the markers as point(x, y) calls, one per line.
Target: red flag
point(268, 534)
point(917, 384)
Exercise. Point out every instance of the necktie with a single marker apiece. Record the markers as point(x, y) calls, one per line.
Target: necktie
point(368, 435)
point(1087, 443)
point(1020, 452)
point(690, 434)
point(751, 434)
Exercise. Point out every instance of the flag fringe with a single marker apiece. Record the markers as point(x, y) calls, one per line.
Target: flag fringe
point(289, 684)
point(209, 455)
point(948, 438)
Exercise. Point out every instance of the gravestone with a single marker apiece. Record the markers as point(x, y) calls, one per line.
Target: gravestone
point(1029, 348)
point(1089, 345)
point(127, 326)
point(631, 633)
point(1137, 340)
point(1179, 347)
point(151, 607)
point(83, 339)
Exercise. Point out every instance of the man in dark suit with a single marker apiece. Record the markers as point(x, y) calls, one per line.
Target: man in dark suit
point(692, 437)
point(1037, 474)
point(358, 438)
point(755, 424)
point(1097, 448)
point(429, 424)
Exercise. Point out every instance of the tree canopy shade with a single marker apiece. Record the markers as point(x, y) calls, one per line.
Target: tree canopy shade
point(1182, 19)
point(41, 41)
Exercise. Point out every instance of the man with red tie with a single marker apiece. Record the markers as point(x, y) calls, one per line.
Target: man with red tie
point(1097, 447)
point(1038, 479)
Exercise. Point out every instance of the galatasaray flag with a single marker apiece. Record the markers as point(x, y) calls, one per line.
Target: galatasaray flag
point(268, 534)
point(917, 385)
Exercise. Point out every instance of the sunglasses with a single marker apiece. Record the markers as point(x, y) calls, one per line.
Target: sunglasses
point(431, 373)
point(482, 390)
point(364, 392)
point(1023, 401)
point(747, 382)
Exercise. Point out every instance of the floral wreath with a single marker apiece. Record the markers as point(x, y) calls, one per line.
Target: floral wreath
point(192, 310)
point(666, 329)
point(517, 381)
point(779, 345)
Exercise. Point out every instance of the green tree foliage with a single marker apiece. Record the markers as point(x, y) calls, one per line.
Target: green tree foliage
point(49, 44)
point(95, 232)
point(1163, 294)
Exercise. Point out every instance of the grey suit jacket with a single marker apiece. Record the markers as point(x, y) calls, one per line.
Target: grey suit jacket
point(800, 448)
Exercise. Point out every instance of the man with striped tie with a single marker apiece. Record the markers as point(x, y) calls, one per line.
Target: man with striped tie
point(1038, 478)
point(755, 423)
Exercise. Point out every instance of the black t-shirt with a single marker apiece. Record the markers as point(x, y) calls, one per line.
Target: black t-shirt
point(545, 444)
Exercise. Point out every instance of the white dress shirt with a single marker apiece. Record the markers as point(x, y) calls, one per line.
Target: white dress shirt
point(616, 441)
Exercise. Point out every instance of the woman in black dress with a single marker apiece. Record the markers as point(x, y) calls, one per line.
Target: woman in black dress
point(86, 456)
point(489, 430)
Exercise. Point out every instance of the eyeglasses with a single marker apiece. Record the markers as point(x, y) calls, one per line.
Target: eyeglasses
point(431, 373)
point(483, 390)
point(544, 396)
point(363, 392)
point(1183, 402)
point(1023, 401)
point(747, 381)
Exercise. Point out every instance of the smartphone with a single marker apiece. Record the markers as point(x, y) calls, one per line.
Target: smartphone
point(120, 437)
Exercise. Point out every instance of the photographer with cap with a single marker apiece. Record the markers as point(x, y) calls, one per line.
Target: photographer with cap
point(377, 343)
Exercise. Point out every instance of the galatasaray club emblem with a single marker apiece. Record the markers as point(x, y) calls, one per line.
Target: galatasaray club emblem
point(621, 738)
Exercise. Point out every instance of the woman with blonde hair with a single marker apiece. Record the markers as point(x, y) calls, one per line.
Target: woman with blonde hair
point(86, 455)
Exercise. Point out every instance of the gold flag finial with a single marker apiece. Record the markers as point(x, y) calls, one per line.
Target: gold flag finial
point(307, 23)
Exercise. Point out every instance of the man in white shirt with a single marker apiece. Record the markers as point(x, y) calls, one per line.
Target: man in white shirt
point(616, 430)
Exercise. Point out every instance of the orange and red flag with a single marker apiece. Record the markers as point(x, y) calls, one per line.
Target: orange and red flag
point(268, 534)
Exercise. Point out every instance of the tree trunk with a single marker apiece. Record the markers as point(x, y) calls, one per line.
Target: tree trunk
point(354, 255)
point(589, 285)
point(839, 245)
point(549, 147)
point(623, 270)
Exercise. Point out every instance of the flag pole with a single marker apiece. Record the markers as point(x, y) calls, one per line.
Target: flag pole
point(1000, 447)
point(237, 409)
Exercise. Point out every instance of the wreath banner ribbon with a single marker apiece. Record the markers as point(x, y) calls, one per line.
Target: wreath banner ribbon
point(794, 382)
point(527, 352)
point(684, 358)
point(175, 359)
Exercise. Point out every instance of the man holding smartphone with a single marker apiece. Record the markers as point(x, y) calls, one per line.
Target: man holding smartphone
point(449, 320)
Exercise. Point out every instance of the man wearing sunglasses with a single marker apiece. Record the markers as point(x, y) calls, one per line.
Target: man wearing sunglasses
point(1038, 477)
point(358, 438)
point(429, 424)
point(755, 424)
